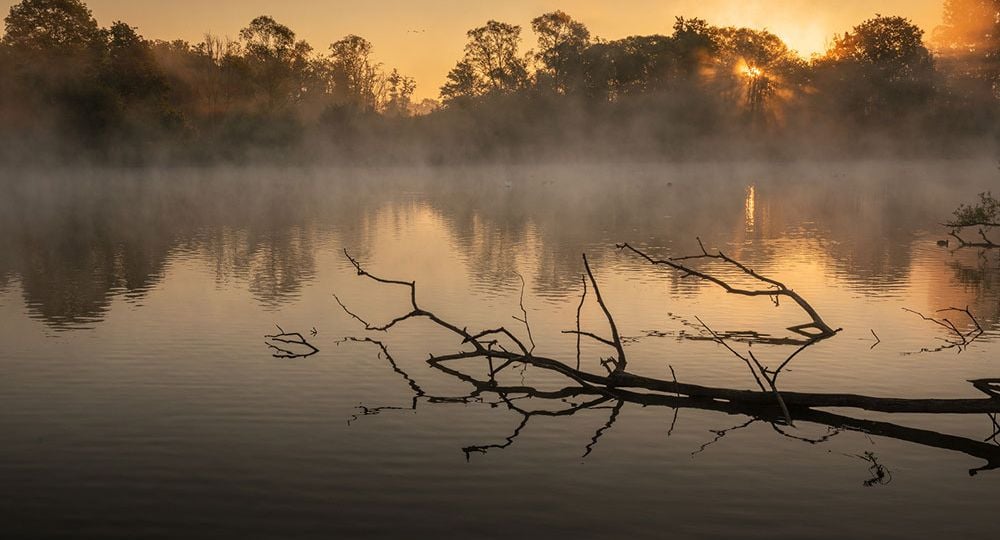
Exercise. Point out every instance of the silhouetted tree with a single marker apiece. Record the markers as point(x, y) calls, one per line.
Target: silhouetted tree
point(56, 48)
point(276, 62)
point(399, 94)
point(50, 26)
point(656, 63)
point(879, 69)
point(766, 69)
point(561, 43)
point(462, 83)
point(130, 69)
point(492, 64)
point(695, 43)
point(69, 84)
point(357, 80)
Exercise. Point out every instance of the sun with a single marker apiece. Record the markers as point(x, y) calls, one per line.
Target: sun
point(751, 72)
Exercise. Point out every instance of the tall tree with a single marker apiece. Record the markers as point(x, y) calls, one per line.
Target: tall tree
point(56, 50)
point(358, 80)
point(764, 67)
point(969, 40)
point(276, 62)
point(462, 84)
point(695, 43)
point(266, 39)
point(561, 43)
point(492, 63)
point(399, 94)
point(50, 26)
point(130, 68)
point(880, 68)
point(971, 26)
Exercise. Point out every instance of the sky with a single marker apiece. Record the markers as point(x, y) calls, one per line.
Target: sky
point(424, 39)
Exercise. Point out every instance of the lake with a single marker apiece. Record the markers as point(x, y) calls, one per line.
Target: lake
point(140, 398)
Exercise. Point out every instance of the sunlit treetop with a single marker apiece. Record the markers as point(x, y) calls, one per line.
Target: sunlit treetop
point(970, 26)
point(882, 41)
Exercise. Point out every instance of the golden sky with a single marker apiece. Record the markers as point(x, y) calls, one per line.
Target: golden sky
point(427, 55)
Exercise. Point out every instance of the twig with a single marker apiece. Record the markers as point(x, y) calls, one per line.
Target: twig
point(877, 340)
point(527, 326)
point(746, 360)
point(961, 340)
point(987, 243)
point(774, 388)
point(285, 339)
point(615, 337)
point(579, 309)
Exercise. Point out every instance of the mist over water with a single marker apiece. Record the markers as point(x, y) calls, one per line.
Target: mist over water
point(138, 393)
point(688, 283)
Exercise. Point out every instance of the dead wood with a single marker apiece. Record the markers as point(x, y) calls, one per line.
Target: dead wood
point(771, 288)
point(289, 345)
point(957, 339)
point(619, 386)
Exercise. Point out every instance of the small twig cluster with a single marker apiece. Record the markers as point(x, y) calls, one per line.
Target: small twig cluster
point(289, 345)
point(957, 339)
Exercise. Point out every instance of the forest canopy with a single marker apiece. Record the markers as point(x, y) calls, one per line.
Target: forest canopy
point(73, 90)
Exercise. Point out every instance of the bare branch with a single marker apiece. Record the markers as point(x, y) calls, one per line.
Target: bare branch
point(960, 340)
point(746, 360)
point(289, 345)
point(774, 287)
point(774, 389)
point(591, 335)
point(615, 337)
point(987, 243)
point(362, 272)
point(527, 326)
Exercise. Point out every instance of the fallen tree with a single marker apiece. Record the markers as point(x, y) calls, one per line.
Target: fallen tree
point(501, 349)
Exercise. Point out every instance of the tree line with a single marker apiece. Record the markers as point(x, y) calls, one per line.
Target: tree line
point(75, 88)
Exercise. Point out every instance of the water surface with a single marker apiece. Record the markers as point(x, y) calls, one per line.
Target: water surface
point(139, 399)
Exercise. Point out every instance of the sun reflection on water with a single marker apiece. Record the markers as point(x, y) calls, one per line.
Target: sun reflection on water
point(750, 208)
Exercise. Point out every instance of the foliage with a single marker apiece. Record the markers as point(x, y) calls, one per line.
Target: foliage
point(561, 44)
point(48, 26)
point(103, 93)
point(399, 94)
point(969, 40)
point(971, 26)
point(878, 70)
point(492, 64)
point(986, 212)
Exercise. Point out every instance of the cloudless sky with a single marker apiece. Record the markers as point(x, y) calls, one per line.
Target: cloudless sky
point(440, 25)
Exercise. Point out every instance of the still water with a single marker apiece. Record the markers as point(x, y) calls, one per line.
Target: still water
point(138, 398)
